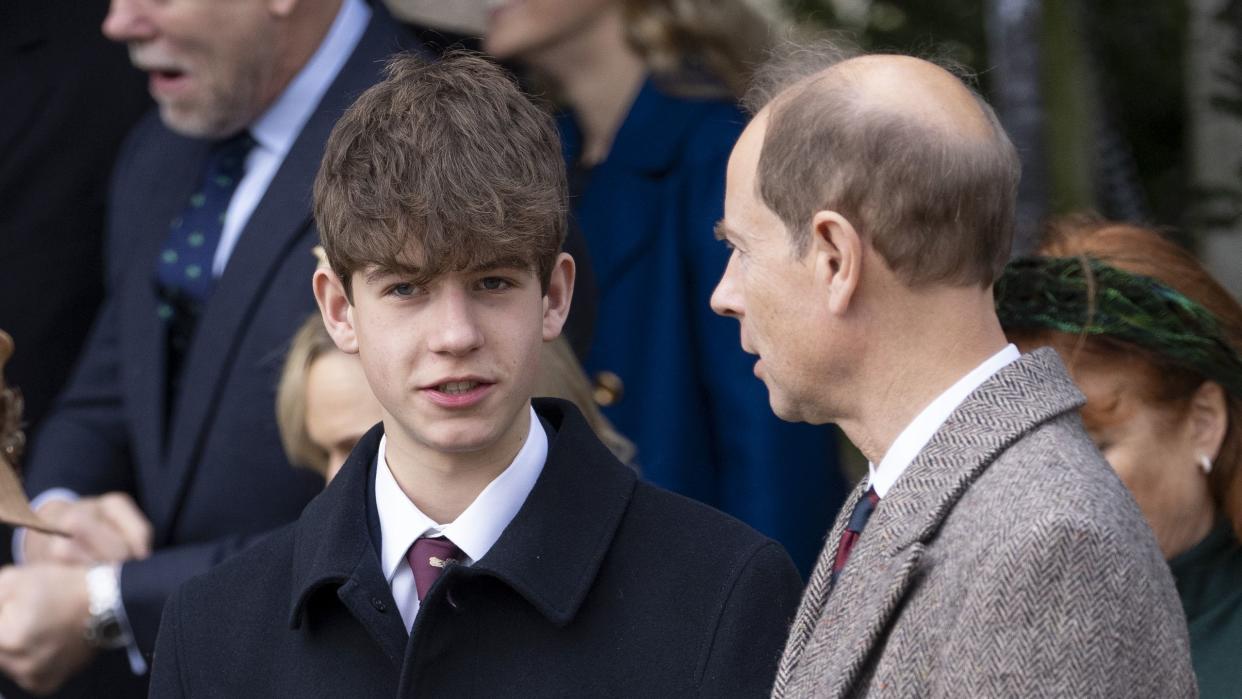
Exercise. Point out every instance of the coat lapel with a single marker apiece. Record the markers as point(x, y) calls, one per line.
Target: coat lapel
point(270, 236)
point(552, 550)
point(142, 336)
point(815, 596)
point(647, 147)
point(885, 563)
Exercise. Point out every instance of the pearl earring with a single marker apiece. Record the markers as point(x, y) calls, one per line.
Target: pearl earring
point(1205, 464)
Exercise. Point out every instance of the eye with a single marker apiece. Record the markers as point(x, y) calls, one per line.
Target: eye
point(403, 289)
point(495, 284)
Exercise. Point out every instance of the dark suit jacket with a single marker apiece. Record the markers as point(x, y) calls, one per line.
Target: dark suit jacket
point(602, 585)
point(214, 475)
point(691, 402)
point(70, 96)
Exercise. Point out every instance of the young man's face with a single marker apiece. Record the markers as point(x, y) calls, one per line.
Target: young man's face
point(453, 359)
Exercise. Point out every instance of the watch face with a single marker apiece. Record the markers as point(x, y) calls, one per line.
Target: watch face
point(105, 631)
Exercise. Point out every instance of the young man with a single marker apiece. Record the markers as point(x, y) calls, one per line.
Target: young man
point(472, 544)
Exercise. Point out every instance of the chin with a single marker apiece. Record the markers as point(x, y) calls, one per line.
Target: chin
point(461, 439)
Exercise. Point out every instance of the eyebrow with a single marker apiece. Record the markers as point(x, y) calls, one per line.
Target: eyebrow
point(419, 275)
point(378, 272)
point(722, 230)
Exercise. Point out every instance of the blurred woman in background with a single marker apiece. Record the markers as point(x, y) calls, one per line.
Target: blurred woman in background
point(650, 94)
point(1153, 341)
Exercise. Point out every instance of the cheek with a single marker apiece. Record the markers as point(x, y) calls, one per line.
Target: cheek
point(1122, 459)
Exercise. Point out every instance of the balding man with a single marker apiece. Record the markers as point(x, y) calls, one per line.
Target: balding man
point(991, 551)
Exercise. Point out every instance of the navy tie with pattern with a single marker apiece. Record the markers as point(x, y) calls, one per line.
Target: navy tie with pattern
point(183, 275)
point(184, 266)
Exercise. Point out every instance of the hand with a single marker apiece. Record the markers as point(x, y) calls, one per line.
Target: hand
point(43, 615)
point(105, 529)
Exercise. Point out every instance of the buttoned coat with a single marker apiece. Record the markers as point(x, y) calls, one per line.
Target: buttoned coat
point(1007, 561)
point(601, 586)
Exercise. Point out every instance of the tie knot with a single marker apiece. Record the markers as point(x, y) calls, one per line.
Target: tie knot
point(228, 157)
point(428, 558)
point(862, 511)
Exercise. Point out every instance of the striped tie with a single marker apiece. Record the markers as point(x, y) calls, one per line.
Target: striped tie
point(853, 529)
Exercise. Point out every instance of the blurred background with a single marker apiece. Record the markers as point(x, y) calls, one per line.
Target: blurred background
point(1131, 109)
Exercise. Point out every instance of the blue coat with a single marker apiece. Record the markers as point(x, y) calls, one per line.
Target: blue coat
point(691, 403)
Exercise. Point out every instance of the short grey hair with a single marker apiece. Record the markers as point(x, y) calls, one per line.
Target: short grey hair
point(938, 209)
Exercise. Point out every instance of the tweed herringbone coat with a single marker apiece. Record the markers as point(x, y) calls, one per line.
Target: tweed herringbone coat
point(1007, 561)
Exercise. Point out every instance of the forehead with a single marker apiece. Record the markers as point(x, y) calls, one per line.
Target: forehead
point(746, 215)
point(744, 160)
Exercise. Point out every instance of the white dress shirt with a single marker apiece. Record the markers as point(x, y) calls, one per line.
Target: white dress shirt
point(276, 130)
point(919, 432)
point(474, 531)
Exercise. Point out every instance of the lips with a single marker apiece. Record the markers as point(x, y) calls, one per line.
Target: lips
point(457, 392)
point(167, 82)
point(165, 76)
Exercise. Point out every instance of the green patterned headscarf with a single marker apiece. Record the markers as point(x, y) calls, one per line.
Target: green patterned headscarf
point(1085, 297)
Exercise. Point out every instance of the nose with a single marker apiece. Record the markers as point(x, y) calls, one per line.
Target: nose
point(128, 20)
point(726, 300)
point(456, 330)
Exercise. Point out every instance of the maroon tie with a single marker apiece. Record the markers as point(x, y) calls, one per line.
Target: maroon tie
point(853, 529)
point(428, 558)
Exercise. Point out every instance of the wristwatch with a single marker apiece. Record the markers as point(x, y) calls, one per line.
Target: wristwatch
point(103, 628)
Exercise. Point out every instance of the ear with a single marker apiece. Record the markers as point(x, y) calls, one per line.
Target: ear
point(838, 251)
point(337, 311)
point(558, 297)
point(1208, 419)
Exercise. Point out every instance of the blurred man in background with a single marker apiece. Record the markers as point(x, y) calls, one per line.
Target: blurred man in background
point(162, 455)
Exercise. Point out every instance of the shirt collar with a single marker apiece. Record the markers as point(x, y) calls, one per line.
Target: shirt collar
point(277, 128)
point(478, 527)
point(920, 430)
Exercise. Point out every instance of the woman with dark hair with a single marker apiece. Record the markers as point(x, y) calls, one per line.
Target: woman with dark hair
point(1153, 341)
point(650, 89)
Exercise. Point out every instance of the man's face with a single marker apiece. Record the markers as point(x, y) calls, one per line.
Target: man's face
point(453, 360)
point(212, 64)
point(769, 289)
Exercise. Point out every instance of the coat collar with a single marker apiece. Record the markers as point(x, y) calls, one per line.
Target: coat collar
point(837, 629)
point(550, 553)
point(649, 137)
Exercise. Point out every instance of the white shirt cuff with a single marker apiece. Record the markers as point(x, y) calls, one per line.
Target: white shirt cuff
point(19, 534)
point(137, 664)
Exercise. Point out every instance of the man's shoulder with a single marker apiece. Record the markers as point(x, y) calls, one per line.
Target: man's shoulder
point(1053, 484)
point(690, 530)
point(246, 582)
point(1055, 466)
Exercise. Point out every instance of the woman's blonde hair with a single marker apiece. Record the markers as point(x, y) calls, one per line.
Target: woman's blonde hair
point(309, 344)
point(702, 47)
